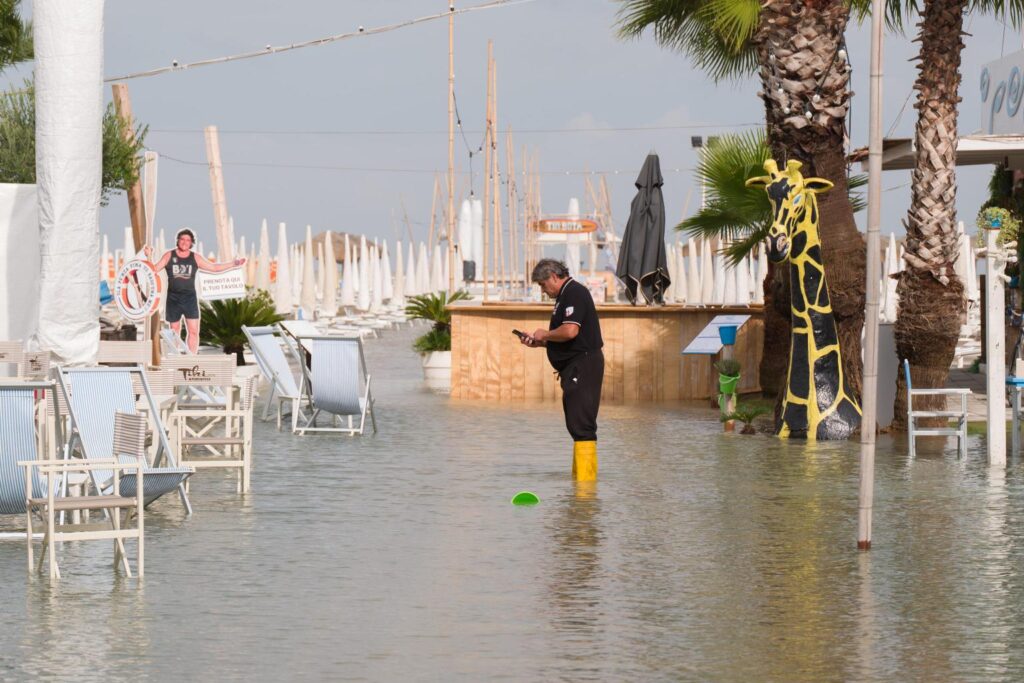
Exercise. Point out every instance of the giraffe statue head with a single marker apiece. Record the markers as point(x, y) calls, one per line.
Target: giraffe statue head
point(791, 196)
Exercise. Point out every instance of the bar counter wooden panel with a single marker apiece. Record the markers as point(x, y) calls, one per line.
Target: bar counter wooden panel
point(642, 350)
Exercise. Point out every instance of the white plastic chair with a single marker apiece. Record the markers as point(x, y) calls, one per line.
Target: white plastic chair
point(913, 430)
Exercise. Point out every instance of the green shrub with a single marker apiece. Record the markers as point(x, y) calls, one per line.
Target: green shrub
point(434, 307)
point(222, 320)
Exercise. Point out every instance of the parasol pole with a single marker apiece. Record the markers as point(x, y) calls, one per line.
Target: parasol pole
point(451, 143)
point(869, 395)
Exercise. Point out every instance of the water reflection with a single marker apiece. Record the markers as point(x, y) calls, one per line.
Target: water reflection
point(698, 556)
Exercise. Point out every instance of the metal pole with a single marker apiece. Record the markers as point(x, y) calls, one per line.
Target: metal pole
point(869, 396)
point(451, 145)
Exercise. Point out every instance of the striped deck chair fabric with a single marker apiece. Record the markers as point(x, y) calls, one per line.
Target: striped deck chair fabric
point(266, 344)
point(18, 442)
point(97, 395)
point(338, 385)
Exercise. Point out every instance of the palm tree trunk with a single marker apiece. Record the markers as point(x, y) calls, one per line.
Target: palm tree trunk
point(806, 92)
point(931, 296)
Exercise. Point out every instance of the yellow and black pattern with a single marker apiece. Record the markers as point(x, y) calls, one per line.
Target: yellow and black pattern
point(818, 402)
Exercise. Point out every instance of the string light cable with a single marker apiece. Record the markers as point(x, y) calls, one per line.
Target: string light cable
point(358, 33)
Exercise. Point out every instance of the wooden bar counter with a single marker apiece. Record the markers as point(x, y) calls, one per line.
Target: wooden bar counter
point(642, 350)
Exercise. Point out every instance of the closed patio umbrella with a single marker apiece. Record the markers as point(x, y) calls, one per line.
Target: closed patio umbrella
point(693, 294)
point(387, 291)
point(642, 263)
point(329, 303)
point(348, 292)
point(283, 288)
point(263, 266)
point(363, 300)
point(398, 291)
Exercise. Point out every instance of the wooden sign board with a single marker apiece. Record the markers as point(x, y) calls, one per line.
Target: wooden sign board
point(227, 285)
point(708, 343)
point(565, 226)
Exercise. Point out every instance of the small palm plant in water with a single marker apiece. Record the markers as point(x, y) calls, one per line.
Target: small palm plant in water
point(222, 320)
point(433, 307)
point(746, 414)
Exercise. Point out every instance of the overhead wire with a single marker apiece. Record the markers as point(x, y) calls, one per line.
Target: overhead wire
point(272, 50)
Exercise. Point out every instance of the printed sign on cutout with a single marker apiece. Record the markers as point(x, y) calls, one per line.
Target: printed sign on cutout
point(227, 285)
point(137, 290)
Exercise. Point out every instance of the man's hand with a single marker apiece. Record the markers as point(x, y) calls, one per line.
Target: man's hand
point(540, 336)
point(148, 251)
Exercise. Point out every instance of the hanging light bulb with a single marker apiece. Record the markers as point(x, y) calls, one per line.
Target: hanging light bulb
point(816, 98)
point(842, 53)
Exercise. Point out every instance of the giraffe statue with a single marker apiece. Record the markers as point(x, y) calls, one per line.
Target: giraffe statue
point(818, 403)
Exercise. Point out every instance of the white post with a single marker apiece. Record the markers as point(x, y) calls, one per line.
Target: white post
point(869, 394)
point(995, 361)
point(69, 141)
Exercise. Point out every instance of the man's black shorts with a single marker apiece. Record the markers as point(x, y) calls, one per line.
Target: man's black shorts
point(179, 306)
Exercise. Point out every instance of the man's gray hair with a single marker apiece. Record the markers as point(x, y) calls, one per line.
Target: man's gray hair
point(547, 267)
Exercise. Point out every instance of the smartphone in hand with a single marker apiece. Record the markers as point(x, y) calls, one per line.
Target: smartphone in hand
point(521, 335)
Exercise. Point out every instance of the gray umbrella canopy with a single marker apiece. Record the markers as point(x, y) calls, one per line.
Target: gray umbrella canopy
point(643, 267)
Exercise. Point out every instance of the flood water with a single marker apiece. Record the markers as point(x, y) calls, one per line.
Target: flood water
point(698, 557)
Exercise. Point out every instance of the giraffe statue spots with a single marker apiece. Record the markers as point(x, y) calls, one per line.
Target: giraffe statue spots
point(818, 402)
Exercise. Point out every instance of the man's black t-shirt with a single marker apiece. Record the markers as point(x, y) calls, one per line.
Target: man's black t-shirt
point(574, 305)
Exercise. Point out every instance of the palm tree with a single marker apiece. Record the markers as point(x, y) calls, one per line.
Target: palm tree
point(797, 50)
point(931, 296)
point(740, 217)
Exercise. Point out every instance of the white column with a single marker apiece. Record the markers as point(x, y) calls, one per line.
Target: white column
point(69, 152)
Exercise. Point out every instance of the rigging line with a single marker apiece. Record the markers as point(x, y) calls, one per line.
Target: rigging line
point(899, 116)
point(271, 50)
point(627, 129)
point(462, 132)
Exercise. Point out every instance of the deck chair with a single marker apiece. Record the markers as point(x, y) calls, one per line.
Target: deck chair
point(172, 344)
point(269, 346)
point(35, 487)
point(337, 384)
point(94, 396)
point(218, 434)
point(913, 430)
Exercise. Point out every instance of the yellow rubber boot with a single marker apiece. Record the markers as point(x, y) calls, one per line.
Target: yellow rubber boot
point(584, 461)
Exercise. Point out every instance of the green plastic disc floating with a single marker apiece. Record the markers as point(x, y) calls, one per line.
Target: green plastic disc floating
point(525, 498)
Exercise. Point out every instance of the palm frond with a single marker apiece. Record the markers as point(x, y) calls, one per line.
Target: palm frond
point(15, 35)
point(718, 44)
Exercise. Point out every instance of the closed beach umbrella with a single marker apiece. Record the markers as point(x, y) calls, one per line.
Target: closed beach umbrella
point(263, 266)
point(250, 266)
point(412, 285)
point(296, 272)
point(283, 286)
point(971, 278)
point(348, 292)
point(321, 272)
point(398, 292)
point(330, 296)
point(129, 244)
point(642, 265)
point(682, 295)
point(423, 270)
point(707, 273)
point(729, 288)
point(363, 299)
point(387, 291)
point(743, 282)
point(572, 244)
point(693, 274)
point(718, 276)
point(437, 280)
point(477, 215)
point(376, 300)
point(762, 275)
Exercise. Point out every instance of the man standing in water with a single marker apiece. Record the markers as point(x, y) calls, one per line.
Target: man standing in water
point(182, 266)
point(573, 342)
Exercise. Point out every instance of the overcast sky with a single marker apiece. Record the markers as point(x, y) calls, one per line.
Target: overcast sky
point(560, 66)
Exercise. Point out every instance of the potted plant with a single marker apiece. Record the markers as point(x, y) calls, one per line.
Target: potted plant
point(222, 320)
point(436, 345)
point(745, 414)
